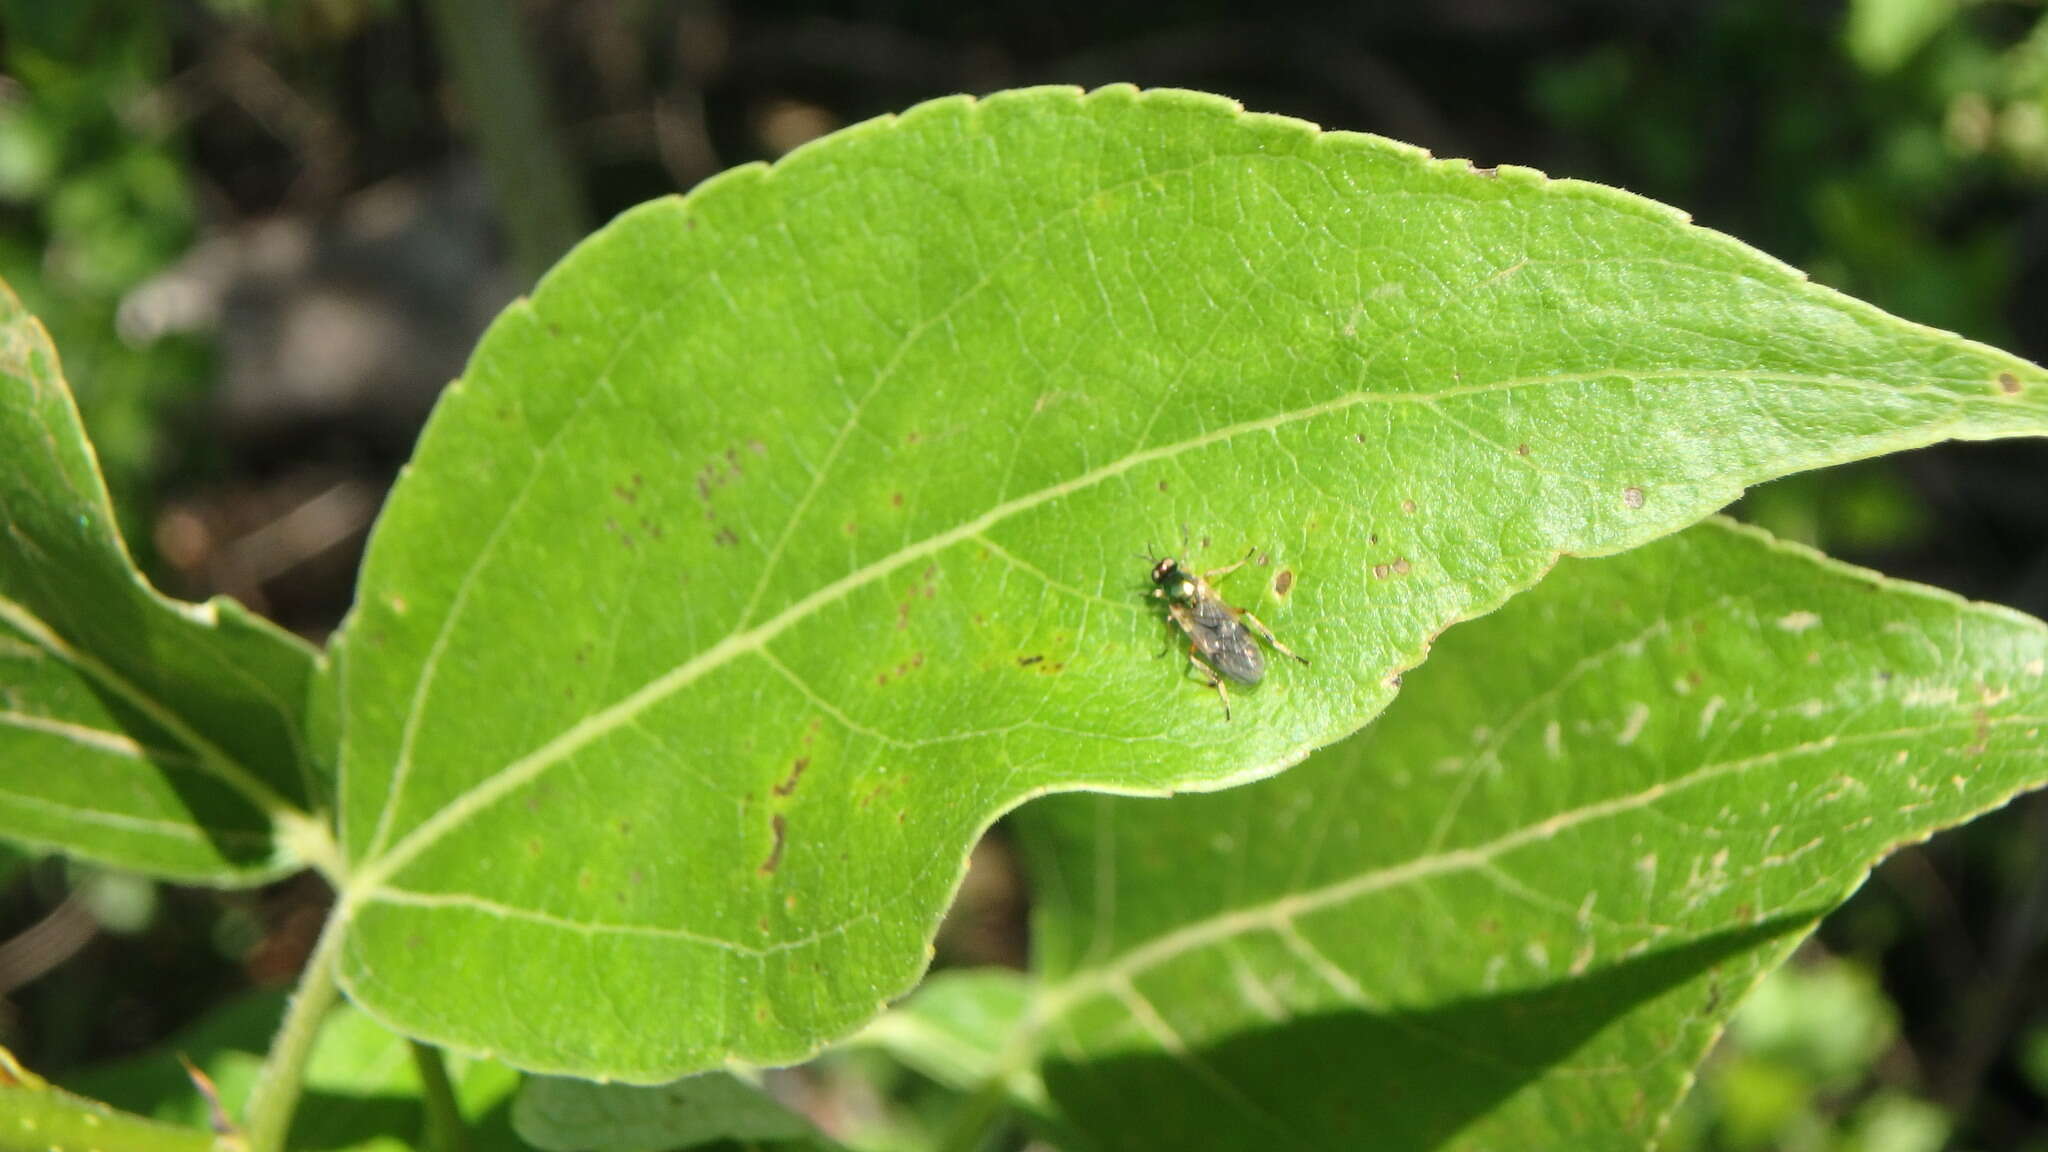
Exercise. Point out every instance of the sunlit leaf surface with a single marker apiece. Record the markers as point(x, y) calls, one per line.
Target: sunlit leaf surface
point(1515, 911)
point(790, 533)
point(134, 729)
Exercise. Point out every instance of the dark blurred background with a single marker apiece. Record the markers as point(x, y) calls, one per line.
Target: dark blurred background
point(264, 233)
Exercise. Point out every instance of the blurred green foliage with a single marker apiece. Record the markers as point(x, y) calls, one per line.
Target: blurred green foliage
point(95, 197)
point(1799, 1072)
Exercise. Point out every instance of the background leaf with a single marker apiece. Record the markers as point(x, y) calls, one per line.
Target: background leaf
point(786, 537)
point(958, 1028)
point(134, 730)
point(560, 1115)
point(362, 1086)
point(1531, 894)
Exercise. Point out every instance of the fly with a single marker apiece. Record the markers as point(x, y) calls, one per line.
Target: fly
point(1219, 635)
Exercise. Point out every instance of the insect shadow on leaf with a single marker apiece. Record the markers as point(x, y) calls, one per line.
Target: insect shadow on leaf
point(1220, 643)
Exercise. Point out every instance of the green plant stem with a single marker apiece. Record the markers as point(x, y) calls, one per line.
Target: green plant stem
point(532, 178)
point(276, 1093)
point(445, 1132)
point(39, 1119)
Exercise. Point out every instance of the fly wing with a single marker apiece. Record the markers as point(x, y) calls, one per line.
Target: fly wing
point(1226, 644)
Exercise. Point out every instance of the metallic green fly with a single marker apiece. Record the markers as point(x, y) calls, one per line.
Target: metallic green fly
point(1219, 634)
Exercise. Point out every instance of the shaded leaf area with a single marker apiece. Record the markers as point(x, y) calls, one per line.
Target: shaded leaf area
point(135, 730)
point(362, 1086)
point(1516, 911)
point(716, 1109)
point(959, 1028)
point(786, 537)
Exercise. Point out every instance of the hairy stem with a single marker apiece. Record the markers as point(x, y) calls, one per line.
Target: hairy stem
point(276, 1093)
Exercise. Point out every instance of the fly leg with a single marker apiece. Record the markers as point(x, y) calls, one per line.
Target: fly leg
point(1215, 575)
point(1260, 627)
point(1166, 644)
point(1211, 677)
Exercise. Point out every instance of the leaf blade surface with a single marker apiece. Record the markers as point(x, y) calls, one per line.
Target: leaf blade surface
point(785, 538)
point(1519, 907)
point(135, 730)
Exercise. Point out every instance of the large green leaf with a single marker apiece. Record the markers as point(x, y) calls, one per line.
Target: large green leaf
point(1515, 912)
point(135, 730)
point(786, 537)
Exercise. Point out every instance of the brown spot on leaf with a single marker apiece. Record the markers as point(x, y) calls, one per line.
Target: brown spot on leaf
point(1980, 734)
point(1028, 661)
point(2008, 383)
point(1401, 566)
point(1632, 496)
point(726, 538)
point(1408, 506)
point(1162, 485)
point(776, 825)
point(796, 773)
point(1521, 449)
point(896, 499)
point(1283, 582)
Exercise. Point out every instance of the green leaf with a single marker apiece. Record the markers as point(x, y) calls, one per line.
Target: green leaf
point(786, 537)
point(362, 1086)
point(958, 1028)
point(135, 730)
point(558, 1115)
point(1517, 910)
